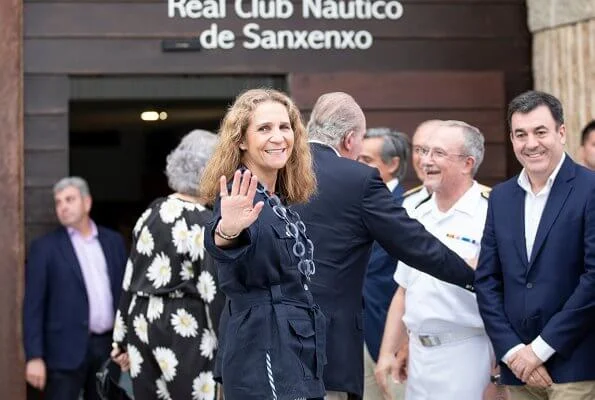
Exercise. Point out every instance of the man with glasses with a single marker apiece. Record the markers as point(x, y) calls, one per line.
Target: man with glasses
point(351, 209)
point(419, 194)
point(449, 351)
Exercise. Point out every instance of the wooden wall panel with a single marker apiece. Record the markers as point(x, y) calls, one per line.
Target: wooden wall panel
point(46, 94)
point(44, 168)
point(121, 19)
point(489, 122)
point(404, 2)
point(405, 90)
point(144, 56)
point(46, 145)
point(38, 209)
point(46, 132)
point(402, 100)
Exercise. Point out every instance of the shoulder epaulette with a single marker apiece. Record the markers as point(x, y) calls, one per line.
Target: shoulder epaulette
point(413, 191)
point(425, 200)
point(485, 191)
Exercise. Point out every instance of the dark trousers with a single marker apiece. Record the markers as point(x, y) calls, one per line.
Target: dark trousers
point(69, 384)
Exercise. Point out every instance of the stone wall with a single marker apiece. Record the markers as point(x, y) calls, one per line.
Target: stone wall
point(564, 58)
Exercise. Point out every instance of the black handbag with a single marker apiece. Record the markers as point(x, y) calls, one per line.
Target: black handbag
point(112, 383)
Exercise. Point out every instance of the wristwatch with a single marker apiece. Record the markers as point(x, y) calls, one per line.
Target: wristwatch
point(495, 379)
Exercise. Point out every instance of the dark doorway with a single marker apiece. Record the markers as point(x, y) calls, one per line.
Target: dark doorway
point(123, 157)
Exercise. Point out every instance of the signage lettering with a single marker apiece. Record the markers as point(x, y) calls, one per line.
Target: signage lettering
point(256, 38)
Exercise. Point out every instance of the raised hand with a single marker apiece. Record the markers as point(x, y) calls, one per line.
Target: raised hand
point(238, 210)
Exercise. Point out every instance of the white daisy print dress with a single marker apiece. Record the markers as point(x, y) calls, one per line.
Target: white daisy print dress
point(170, 305)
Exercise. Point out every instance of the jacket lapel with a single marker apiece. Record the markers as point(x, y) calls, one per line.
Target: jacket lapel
point(518, 221)
point(70, 256)
point(560, 190)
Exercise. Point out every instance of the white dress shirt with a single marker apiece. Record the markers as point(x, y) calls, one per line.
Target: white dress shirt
point(534, 206)
point(392, 184)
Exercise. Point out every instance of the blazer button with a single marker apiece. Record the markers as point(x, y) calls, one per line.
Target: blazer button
point(529, 285)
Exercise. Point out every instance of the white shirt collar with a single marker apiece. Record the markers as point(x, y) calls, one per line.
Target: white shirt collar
point(467, 203)
point(325, 144)
point(523, 179)
point(392, 184)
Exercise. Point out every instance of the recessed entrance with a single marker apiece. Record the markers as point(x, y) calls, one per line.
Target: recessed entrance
point(122, 155)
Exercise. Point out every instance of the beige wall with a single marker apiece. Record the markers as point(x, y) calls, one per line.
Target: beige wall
point(564, 58)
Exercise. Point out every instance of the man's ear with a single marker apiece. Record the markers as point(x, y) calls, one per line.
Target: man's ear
point(347, 141)
point(470, 162)
point(87, 202)
point(393, 165)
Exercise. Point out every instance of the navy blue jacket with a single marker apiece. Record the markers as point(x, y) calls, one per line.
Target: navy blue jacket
point(553, 293)
point(352, 209)
point(379, 289)
point(55, 308)
point(271, 335)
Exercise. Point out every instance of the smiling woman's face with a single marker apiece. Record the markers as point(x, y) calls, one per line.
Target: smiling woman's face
point(268, 142)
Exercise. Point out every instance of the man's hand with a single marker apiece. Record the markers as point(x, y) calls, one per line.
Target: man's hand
point(540, 378)
point(385, 366)
point(524, 362)
point(399, 372)
point(35, 373)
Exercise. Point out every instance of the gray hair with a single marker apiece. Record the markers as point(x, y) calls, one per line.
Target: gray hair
point(186, 163)
point(75, 181)
point(394, 144)
point(473, 141)
point(335, 115)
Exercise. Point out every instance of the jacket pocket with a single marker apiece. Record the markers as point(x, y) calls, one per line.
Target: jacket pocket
point(303, 344)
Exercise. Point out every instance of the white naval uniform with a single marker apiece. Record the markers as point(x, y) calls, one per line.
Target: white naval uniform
point(411, 201)
point(458, 368)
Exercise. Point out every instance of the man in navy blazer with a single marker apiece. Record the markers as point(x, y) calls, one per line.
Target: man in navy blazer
point(352, 209)
point(72, 287)
point(388, 151)
point(535, 279)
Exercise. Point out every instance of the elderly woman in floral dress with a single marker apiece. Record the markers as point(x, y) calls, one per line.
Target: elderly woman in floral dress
point(165, 324)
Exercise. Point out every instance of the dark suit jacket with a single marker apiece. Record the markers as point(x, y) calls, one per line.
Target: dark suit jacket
point(379, 289)
point(351, 209)
point(553, 293)
point(55, 308)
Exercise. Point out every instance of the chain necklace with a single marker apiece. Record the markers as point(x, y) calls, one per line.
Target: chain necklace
point(303, 248)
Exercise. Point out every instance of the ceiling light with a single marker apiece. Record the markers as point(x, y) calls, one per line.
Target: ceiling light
point(162, 115)
point(149, 116)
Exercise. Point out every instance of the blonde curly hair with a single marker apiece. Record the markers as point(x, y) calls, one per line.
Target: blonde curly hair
point(296, 181)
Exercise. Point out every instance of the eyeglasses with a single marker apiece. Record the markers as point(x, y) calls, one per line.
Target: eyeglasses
point(435, 153)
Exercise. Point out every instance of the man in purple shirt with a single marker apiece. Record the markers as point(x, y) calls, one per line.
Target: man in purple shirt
point(73, 277)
